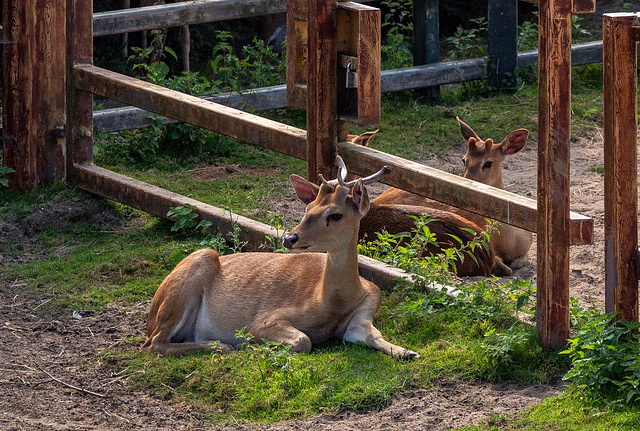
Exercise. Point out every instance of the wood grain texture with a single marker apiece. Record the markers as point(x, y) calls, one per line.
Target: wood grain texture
point(34, 91)
point(359, 36)
point(554, 122)
point(620, 170)
point(454, 190)
point(322, 133)
point(79, 131)
point(583, 6)
point(297, 53)
point(184, 13)
point(212, 116)
point(127, 118)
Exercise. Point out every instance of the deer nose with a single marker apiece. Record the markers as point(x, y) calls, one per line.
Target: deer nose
point(290, 240)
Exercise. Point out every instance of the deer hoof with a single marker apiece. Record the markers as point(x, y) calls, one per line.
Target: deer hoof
point(408, 355)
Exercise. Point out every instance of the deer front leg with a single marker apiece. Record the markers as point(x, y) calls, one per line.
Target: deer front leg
point(361, 329)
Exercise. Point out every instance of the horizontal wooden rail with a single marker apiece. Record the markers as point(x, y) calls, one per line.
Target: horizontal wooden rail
point(128, 118)
point(454, 190)
point(212, 116)
point(179, 14)
point(118, 119)
point(158, 201)
point(184, 13)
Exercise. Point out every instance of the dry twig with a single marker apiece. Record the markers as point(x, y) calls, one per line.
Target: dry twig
point(84, 391)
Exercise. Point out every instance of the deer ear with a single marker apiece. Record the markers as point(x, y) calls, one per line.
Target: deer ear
point(360, 198)
point(467, 132)
point(365, 138)
point(514, 142)
point(306, 191)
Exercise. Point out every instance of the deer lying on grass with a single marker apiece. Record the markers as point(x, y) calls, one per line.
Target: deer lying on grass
point(483, 163)
point(297, 299)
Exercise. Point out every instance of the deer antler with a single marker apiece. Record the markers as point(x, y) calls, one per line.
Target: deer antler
point(342, 175)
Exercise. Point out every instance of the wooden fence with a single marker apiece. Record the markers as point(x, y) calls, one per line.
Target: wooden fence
point(550, 217)
point(621, 37)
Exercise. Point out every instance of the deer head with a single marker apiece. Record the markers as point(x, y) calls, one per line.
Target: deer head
point(333, 213)
point(483, 160)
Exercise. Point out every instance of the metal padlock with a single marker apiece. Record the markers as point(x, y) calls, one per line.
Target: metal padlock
point(352, 77)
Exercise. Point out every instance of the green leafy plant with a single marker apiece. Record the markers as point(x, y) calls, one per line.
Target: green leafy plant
point(398, 22)
point(469, 42)
point(504, 348)
point(407, 250)
point(270, 357)
point(4, 170)
point(185, 219)
point(605, 363)
point(528, 34)
point(258, 66)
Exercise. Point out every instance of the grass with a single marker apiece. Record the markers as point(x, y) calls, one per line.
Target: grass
point(566, 413)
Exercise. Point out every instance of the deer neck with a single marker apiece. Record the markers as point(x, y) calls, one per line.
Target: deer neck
point(341, 279)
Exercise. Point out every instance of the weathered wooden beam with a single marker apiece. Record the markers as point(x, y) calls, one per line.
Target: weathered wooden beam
point(621, 33)
point(454, 190)
point(179, 14)
point(554, 131)
point(581, 54)
point(184, 13)
point(503, 44)
point(426, 39)
point(127, 118)
point(158, 201)
point(212, 116)
point(34, 91)
point(359, 40)
point(583, 6)
point(79, 130)
point(429, 75)
point(322, 131)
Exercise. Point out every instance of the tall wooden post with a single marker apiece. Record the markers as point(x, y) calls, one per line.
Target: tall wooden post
point(34, 91)
point(79, 103)
point(620, 40)
point(426, 38)
point(322, 132)
point(554, 131)
point(503, 44)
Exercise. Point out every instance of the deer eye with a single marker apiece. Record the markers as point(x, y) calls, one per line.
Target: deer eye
point(333, 217)
point(487, 165)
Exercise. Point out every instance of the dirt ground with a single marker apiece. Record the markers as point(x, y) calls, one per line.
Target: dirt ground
point(67, 346)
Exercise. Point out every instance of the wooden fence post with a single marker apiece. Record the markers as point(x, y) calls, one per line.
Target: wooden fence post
point(503, 44)
point(554, 132)
point(426, 38)
point(620, 40)
point(79, 102)
point(322, 131)
point(554, 122)
point(34, 91)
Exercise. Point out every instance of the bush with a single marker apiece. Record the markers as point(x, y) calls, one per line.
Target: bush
point(605, 361)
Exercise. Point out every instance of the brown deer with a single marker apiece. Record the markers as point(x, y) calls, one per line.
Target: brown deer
point(297, 299)
point(483, 163)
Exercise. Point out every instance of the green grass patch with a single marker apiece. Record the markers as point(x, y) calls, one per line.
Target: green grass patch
point(572, 414)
